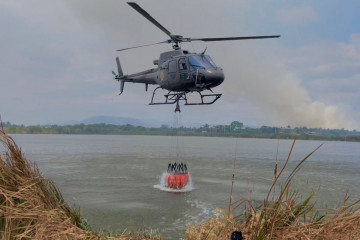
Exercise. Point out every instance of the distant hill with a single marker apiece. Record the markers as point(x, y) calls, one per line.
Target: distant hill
point(133, 121)
point(113, 120)
point(118, 121)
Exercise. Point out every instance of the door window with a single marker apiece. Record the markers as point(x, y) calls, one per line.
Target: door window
point(172, 66)
point(182, 64)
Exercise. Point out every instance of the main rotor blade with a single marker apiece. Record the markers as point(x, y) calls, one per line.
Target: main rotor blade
point(142, 46)
point(148, 17)
point(232, 38)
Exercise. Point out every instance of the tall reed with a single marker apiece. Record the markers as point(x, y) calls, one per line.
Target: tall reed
point(286, 217)
point(31, 207)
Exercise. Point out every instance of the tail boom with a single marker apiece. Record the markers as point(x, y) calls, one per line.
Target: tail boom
point(146, 77)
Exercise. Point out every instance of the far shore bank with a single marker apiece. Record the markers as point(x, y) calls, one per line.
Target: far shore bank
point(353, 138)
point(234, 130)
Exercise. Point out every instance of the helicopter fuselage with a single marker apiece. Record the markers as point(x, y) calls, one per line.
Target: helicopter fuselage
point(181, 71)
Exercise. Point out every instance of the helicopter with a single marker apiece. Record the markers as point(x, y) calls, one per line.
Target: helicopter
point(179, 71)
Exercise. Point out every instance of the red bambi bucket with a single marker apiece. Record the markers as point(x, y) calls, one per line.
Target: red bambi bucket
point(177, 181)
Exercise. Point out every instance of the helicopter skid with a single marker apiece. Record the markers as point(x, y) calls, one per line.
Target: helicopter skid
point(174, 97)
point(214, 96)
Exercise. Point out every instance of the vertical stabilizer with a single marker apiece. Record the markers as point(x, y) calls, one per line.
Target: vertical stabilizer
point(120, 75)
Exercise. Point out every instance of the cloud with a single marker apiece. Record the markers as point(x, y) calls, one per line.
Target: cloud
point(298, 15)
point(57, 62)
point(352, 49)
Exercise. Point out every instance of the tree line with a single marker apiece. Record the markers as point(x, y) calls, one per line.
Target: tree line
point(234, 129)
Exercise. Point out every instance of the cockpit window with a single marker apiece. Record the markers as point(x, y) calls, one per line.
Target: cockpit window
point(208, 58)
point(201, 62)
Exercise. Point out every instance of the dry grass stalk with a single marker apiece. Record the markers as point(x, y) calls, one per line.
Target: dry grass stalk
point(31, 207)
point(284, 218)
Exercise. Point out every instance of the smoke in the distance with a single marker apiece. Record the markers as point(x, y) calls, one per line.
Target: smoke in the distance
point(265, 81)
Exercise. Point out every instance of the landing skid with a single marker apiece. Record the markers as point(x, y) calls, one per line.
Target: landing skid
point(173, 97)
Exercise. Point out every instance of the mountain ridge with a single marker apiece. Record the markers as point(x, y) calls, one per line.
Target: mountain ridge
point(117, 121)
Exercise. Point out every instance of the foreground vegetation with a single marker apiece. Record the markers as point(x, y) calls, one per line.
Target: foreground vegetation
point(32, 208)
point(285, 217)
point(235, 129)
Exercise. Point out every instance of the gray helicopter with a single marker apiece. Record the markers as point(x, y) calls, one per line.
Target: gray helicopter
point(179, 71)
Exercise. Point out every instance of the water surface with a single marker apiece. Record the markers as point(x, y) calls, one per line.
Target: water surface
point(112, 178)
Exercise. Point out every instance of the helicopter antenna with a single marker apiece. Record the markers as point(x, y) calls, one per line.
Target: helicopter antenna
point(202, 54)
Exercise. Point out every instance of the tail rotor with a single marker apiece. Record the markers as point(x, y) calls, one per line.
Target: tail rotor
point(120, 76)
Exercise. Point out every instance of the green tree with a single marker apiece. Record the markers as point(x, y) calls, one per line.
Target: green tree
point(236, 126)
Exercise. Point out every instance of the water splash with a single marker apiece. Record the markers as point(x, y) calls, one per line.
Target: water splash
point(163, 185)
point(204, 211)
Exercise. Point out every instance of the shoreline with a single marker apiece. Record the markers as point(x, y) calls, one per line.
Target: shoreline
point(351, 138)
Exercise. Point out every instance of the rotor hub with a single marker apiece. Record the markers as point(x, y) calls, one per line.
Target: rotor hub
point(176, 38)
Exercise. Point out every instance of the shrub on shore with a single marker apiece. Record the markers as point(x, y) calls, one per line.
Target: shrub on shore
point(283, 218)
point(31, 207)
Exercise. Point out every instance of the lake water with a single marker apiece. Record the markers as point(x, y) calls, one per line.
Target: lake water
point(115, 179)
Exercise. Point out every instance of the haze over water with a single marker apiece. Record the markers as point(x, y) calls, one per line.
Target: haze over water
point(112, 178)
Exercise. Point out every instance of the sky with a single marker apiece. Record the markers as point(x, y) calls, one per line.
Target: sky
point(56, 59)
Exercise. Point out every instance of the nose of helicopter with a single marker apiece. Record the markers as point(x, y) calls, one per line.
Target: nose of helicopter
point(214, 77)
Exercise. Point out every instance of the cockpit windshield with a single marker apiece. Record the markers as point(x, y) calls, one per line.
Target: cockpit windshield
point(201, 62)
